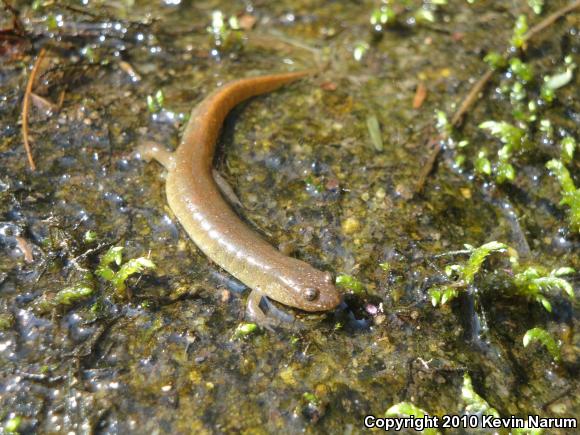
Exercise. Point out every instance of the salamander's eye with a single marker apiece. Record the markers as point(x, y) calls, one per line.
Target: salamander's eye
point(310, 294)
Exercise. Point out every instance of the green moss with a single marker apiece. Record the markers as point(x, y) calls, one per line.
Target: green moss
point(509, 134)
point(514, 139)
point(521, 70)
point(495, 60)
point(561, 79)
point(533, 283)
point(385, 15)
point(131, 267)
point(440, 295)
point(360, 50)
point(474, 403)
point(518, 93)
point(77, 292)
point(482, 163)
point(464, 274)
point(225, 33)
point(406, 410)
point(568, 147)
point(51, 22)
point(119, 277)
point(310, 398)
point(350, 283)
point(520, 29)
point(13, 424)
point(442, 123)
point(156, 102)
point(423, 15)
point(90, 236)
point(477, 258)
point(536, 5)
point(385, 266)
point(113, 255)
point(570, 194)
point(6, 321)
point(244, 329)
point(545, 338)
point(375, 132)
point(314, 183)
point(504, 171)
point(68, 296)
point(558, 80)
point(526, 431)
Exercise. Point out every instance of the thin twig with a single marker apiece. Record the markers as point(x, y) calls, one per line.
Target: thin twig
point(471, 97)
point(26, 248)
point(453, 253)
point(25, 106)
point(555, 399)
point(435, 145)
point(80, 10)
point(550, 19)
point(420, 96)
point(60, 99)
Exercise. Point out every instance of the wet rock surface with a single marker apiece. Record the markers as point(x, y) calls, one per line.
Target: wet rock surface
point(161, 357)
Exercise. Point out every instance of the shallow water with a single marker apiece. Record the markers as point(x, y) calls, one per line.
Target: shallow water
point(162, 359)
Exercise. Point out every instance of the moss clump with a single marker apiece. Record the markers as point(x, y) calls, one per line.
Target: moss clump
point(406, 410)
point(6, 321)
point(350, 283)
point(244, 329)
point(118, 278)
point(520, 29)
point(570, 194)
point(514, 139)
point(545, 338)
point(474, 403)
point(533, 282)
point(464, 274)
point(67, 297)
point(13, 424)
point(568, 149)
point(558, 80)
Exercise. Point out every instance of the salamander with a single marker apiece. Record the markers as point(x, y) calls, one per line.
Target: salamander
point(214, 227)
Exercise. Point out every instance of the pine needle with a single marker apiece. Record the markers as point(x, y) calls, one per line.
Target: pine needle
point(26, 106)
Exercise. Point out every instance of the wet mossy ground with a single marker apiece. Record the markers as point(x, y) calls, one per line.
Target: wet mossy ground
point(161, 359)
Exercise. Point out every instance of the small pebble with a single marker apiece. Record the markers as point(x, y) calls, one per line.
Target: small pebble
point(558, 408)
point(350, 225)
point(403, 191)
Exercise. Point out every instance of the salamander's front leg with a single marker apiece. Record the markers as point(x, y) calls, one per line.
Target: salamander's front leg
point(151, 150)
point(254, 311)
point(275, 317)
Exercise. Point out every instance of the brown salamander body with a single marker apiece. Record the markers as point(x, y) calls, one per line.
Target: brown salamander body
point(196, 201)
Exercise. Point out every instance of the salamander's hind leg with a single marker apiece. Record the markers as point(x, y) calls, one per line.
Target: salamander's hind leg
point(151, 150)
point(226, 189)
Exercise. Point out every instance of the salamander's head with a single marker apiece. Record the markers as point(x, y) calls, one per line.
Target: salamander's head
point(309, 289)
